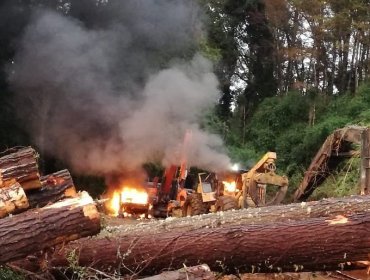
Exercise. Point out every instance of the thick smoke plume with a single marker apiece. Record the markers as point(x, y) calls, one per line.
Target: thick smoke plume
point(96, 97)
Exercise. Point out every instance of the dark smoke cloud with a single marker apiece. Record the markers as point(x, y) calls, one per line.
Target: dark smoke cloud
point(96, 98)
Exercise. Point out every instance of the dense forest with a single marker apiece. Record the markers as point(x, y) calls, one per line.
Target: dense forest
point(289, 72)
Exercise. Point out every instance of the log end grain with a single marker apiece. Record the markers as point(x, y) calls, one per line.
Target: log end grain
point(12, 199)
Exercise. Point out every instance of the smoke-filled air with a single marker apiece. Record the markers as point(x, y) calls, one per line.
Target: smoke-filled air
point(95, 96)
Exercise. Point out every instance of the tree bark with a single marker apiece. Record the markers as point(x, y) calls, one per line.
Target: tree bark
point(275, 243)
point(40, 229)
point(56, 186)
point(22, 166)
point(331, 207)
point(56, 177)
point(12, 199)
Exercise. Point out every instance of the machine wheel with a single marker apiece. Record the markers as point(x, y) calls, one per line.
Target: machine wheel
point(225, 203)
point(194, 205)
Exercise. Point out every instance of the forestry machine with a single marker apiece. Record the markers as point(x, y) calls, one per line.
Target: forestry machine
point(228, 190)
point(253, 188)
point(254, 192)
point(134, 201)
point(178, 197)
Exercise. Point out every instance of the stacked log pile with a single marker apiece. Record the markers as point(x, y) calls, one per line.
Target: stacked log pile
point(22, 187)
point(48, 207)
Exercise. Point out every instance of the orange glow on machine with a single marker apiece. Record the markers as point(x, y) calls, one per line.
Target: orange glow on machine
point(129, 200)
point(229, 186)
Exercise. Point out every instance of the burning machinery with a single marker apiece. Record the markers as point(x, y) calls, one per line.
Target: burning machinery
point(130, 200)
point(179, 195)
point(227, 190)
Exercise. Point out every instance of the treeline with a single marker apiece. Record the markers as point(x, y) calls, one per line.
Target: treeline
point(271, 47)
point(294, 74)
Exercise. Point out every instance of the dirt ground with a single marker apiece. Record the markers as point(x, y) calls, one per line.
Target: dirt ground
point(360, 274)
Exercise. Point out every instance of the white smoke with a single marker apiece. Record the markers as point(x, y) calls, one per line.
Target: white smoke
point(87, 100)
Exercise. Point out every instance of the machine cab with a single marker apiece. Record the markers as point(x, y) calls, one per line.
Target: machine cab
point(205, 187)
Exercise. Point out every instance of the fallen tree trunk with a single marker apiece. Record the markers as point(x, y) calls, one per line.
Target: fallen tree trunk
point(285, 245)
point(55, 187)
point(36, 230)
point(291, 212)
point(282, 213)
point(12, 199)
point(22, 166)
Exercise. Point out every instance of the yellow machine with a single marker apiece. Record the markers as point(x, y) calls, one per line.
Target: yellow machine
point(257, 184)
point(260, 186)
point(203, 198)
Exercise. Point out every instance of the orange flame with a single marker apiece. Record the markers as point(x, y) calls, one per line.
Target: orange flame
point(133, 195)
point(229, 186)
point(126, 195)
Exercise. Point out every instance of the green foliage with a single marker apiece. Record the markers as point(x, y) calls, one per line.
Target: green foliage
point(350, 106)
point(78, 272)
point(244, 156)
point(8, 274)
point(214, 124)
point(281, 124)
point(211, 52)
point(345, 181)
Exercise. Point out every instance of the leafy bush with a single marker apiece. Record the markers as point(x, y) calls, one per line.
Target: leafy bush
point(344, 181)
point(8, 274)
point(281, 124)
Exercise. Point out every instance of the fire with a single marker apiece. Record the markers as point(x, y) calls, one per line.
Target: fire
point(135, 196)
point(126, 195)
point(229, 186)
point(114, 204)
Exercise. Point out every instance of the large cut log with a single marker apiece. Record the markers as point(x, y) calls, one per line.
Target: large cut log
point(55, 187)
point(21, 164)
point(330, 207)
point(36, 230)
point(12, 199)
point(276, 244)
